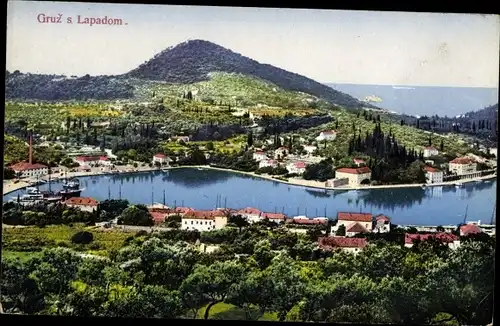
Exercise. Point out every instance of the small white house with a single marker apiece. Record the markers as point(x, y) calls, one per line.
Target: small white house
point(252, 215)
point(310, 149)
point(161, 158)
point(104, 161)
point(267, 163)
point(86, 204)
point(382, 224)
point(327, 135)
point(259, 156)
point(296, 167)
point(430, 151)
point(354, 222)
point(355, 176)
point(350, 245)
point(462, 165)
point(203, 220)
point(433, 175)
point(87, 161)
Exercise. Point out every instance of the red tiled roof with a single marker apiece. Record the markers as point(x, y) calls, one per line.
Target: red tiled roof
point(470, 229)
point(87, 158)
point(300, 165)
point(250, 211)
point(430, 148)
point(158, 217)
point(159, 155)
point(182, 210)
point(328, 132)
point(340, 242)
point(356, 217)
point(356, 160)
point(356, 227)
point(382, 218)
point(430, 169)
point(274, 216)
point(82, 201)
point(259, 153)
point(362, 170)
point(203, 215)
point(103, 158)
point(24, 166)
point(462, 160)
point(440, 236)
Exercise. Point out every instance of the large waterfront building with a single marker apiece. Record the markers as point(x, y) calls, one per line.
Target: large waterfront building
point(355, 176)
point(462, 166)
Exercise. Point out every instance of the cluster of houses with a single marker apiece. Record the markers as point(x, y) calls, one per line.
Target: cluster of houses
point(353, 224)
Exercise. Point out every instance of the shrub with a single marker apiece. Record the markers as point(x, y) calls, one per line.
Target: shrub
point(141, 233)
point(95, 246)
point(82, 237)
point(63, 244)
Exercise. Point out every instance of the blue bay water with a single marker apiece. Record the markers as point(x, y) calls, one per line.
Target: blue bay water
point(200, 189)
point(424, 100)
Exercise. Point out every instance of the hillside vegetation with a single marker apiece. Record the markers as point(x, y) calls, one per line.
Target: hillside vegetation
point(347, 123)
point(192, 61)
point(59, 88)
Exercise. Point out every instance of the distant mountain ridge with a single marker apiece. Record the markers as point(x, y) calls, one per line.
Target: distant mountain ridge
point(193, 60)
point(186, 63)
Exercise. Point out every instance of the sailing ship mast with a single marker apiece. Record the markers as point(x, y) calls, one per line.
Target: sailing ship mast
point(493, 214)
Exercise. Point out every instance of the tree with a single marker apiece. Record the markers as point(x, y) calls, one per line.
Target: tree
point(340, 231)
point(239, 221)
point(136, 215)
point(82, 237)
point(262, 253)
point(211, 284)
point(210, 146)
point(250, 139)
point(441, 146)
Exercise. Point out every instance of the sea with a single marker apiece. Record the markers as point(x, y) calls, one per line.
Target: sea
point(423, 100)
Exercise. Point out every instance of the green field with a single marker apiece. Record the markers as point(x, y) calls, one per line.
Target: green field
point(231, 145)
point(25, 241)
point(225, 311)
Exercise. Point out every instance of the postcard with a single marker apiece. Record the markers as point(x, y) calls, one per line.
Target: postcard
point(234, 163)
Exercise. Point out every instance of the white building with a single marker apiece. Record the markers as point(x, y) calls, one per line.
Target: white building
point(296, 167)
point(310, 149)
point(203, 220)
point(382, 224)
point(252, 215)
point(104, 161)
point(430, 151)
point(267, 163)
point(86, 204)
point(445, 237)
point(355, 176)
point(274, 217)
point(259, 156)
point(433, 175)
point(350, 245)
point(493, 151)
point(462, 165)
point(27, 170)
point(354, 223)
point(161, 158)
point(88, 161)
point(327, 135)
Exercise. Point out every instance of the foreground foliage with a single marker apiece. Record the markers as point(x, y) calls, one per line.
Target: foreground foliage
point(163, 276)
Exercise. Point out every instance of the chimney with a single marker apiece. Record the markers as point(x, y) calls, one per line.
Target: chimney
point(30, 150)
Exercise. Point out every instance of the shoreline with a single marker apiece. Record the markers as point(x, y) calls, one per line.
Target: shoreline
point(292, 181)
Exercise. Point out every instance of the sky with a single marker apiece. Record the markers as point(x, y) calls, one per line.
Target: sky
point(359, 47)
